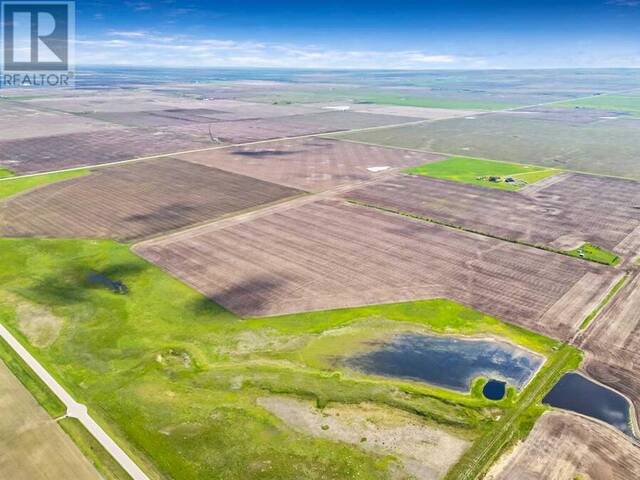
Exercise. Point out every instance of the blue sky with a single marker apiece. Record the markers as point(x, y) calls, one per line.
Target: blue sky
point(358, 34)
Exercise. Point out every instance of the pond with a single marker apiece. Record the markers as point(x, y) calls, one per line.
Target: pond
point(494, 389)
point(579, 394)
point(447, 361)
point(115, 286)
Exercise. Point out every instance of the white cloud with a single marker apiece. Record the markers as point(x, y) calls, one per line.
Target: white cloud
point(151, 48)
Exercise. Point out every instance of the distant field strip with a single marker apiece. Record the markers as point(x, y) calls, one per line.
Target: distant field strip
point(627, 103)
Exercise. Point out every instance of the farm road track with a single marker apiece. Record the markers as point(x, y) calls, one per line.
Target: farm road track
point(474, 464)
point(74, 409)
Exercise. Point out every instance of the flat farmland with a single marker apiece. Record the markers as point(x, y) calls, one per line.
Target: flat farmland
point(210, 111)
point(417, 112)
point(113, 100)
point(242, 131)
point(92, 148)
point(562, 212)
point(32, 444)
point(330, 254)
point(607, 146)
point(564, 446)
point(134, 201)
point(309, 163)
point(612, 343)
point(20, 121)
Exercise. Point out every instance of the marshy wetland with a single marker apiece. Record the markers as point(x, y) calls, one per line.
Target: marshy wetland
point(188, 361)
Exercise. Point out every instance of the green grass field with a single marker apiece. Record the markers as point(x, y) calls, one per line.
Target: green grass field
point(5, 172)
point(177, 377)
point(13, 186)
point(105, 464)
point(476, 171)
point(596, 254)
point(629, 103)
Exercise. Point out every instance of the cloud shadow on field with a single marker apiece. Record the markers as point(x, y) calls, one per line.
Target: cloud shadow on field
point(251, 297)
point(266, 153)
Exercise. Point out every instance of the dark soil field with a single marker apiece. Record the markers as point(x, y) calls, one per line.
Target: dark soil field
point(167, 132)
point(133, 201)
point(564, 446)
point(612, 343)
point(93, 148)
point(243, 131)
point(576, 116)
point(608, 146)
point(329, 254)
point(210, 111)
point(562, 212)
point(309, 163)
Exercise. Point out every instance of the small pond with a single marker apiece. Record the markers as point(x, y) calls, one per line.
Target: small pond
point(115, 286)
point(447, 361)
point(579, 394)
point(494, 389)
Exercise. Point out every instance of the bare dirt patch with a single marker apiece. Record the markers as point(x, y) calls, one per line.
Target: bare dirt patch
point(134, 201)
point(564, 446)
point(328, 254)
point(425, 452)
point(37, 323)
point(309, 163)
point(565, 212)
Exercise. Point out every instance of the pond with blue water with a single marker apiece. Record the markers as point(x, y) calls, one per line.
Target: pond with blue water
point(579, 394)
point(449, 361)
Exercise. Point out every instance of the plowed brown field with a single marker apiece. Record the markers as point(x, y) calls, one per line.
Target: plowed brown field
point(309, 163)
point(613, 343)
point(329, 254)
point(562, 212)
point(564, 446)
point(135, 200)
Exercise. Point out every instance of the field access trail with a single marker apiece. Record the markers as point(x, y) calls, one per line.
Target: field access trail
point(74, 409)
point(486, 450)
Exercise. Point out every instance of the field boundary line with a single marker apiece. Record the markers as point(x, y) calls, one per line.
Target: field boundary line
point(609, 297)
point(207, 149)
point(262, 210)
point(449, 154)
point(74, 409)
point(503, 433)
point(468, 230)
point(319, 134)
